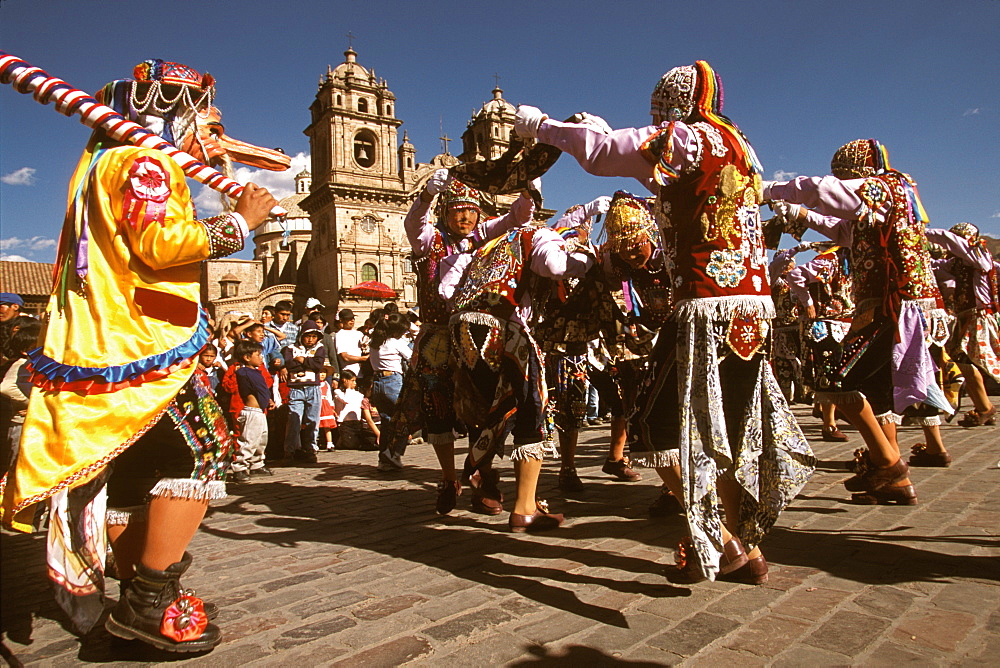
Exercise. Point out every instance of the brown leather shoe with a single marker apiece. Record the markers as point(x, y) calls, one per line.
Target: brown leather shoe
point(688, 565)
point(921, 457)
point(569, 481)
point(754, 572)
point(834, 435)
point(733, 556)
point(870, 478)
point(666, 505)
point(976, 419)
point(621, 469)
point(448, 493)
point(540, 520)
point(486, 495)
point(903, 496)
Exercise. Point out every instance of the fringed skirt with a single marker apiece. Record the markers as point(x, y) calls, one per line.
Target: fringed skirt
point(713, 406)
point(976, 340)
point(499, 385)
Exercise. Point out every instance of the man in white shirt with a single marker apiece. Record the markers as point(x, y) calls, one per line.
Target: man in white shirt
point(349, 342)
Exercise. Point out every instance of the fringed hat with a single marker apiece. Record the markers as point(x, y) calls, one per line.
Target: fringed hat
point(860, 159)
point(967, 231)
point(459, 196)
point(164, 89)
point(629, 222)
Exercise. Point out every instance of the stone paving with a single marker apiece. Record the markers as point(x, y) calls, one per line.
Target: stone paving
point(338, 564)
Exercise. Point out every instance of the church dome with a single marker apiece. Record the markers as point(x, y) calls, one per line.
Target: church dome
point(291, 205)
point(497, 106)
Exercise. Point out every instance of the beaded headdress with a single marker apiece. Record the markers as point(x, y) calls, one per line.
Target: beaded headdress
point(694, 93)
point(967, 231)
point(629, 223)
point(459, 196)
point(860, 159)
point(673, 96)
point(161, 89)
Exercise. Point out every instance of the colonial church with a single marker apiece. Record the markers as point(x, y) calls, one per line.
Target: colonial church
point(345, 219)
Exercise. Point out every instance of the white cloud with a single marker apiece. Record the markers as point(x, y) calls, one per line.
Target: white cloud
point(14, 258)
point(782, 175)
point(971, 112)
point(996, 215)
point(280, 184)
point(31, 245)
point(20, 177)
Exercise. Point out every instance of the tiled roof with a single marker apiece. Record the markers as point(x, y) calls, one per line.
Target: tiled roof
point(26, 278)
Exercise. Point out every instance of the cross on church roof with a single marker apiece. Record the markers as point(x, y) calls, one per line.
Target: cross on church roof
point(444, 142)
point(350, 39)
point(496, 78)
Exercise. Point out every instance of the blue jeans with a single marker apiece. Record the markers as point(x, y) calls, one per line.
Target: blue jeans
point(385, 394)
point(303, 417)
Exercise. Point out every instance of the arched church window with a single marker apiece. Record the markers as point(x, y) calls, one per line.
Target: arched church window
point(369, 272)
point(340, 101)
point(364, 148)
point(409, 163)
point(363, 106)
point(388, 110)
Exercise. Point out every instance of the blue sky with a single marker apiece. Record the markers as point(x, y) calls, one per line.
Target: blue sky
point(800, 77)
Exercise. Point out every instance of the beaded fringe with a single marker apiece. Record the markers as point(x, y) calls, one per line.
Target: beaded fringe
point(186, 488)
point(522, 453)
point(657, 459)
point(120, 517)
point(478, 318)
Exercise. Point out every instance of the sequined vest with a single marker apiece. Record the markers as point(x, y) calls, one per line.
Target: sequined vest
point(433, 307)
point(712, 233)
point(890, 260)
point(831, 293)
point(786, 308)
point(494, 281)
point(966, 296)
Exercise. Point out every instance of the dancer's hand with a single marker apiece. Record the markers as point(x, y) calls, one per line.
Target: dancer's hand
point(438, 182)
point(527, 120)
point(598, 206)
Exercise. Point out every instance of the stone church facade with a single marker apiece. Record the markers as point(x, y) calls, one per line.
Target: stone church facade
point(345, 221)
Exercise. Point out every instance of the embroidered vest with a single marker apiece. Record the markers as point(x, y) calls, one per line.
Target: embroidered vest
point(889, 256)
point(966, 296)
point(651, 285)
point(786, 308)
point(493, 280)
point(434, 308)
point(832, 292)
point(712, 233)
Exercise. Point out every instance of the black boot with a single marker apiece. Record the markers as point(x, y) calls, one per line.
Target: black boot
point(155, 610)
point(211, 609)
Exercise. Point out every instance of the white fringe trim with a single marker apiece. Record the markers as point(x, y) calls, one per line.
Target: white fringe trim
point(187, 488)
point(656, 460)
point(478, 318)
point(889, 418)
point(446, 438)
point(121, 517)
point(522, 453)
point(839, 398)
point(928, 421)
point(724, 308)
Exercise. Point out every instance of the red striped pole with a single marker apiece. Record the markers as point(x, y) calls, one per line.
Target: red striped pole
point(68, 101)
